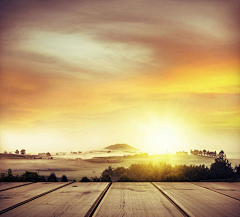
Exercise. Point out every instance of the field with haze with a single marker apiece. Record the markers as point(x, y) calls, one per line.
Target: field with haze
point(75, 167)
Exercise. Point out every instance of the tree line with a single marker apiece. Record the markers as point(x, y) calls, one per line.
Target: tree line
point(30, 177)
point(22, 152)
point(203, 152)
point(221, 169)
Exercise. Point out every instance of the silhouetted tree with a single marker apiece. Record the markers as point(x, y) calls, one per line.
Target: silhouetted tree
point(85, 179)
point(48, 154)
point(124, 178)
point(23, 151)
point(109, 170)
point(222, 168)
point(9, 177)
point(119, 171)
point(95, 179)
point(106, 174)
point(52, 178)
point(237, 171)
point(16, 152)
point(204, 152)
point(31, 177)
point(105, 177)
point(64, 178)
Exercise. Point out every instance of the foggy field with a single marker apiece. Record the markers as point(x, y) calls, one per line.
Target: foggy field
point(77, 168)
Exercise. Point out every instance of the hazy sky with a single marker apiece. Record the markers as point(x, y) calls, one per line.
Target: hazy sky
point(157, 75)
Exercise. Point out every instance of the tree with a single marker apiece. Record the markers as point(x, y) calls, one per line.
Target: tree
point(106, 177)
point(85, 179)
point(124, 178)
point(222, 168)
point(48, 154)
point(64, 178)
point(52, 178)
point(8, 177)
point(16, 152)
point(106, 174)
point(95, 179)
point(23, 151)
point(5, 152)
point(32, 177)
point(204, 152)
point(237, 171)
point(109, 170)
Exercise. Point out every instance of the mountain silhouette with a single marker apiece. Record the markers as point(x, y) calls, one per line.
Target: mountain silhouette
point(121, 147)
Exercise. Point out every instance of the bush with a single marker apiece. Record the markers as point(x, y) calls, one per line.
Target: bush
point(31, 177)
point(64, 178)
point(119, 171)
point(95, 179)
point(106, 177)
point(124, 178)
point(85, 179)
point(8, 177)
point(52, 178)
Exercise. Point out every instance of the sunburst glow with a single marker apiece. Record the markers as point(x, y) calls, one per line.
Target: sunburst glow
point(161, 137)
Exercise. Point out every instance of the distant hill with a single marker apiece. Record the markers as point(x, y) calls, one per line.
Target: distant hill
point(121, 147)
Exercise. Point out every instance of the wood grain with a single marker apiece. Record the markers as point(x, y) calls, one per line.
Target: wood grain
point(200, 201)
point(7, 185)
point(72, 200)
point(16, 195)
point(231, 189)
point(135, 199)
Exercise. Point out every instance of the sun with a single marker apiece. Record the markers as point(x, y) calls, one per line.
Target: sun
point(160, 137)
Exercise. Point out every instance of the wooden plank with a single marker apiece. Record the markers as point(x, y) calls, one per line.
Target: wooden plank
point(135, 199)
point(9, 185)
point(200, 201)
point(73, 200)
point(16, 195)
point(226, 188)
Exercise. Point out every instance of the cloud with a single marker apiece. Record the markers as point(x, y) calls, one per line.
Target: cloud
point(71, 65)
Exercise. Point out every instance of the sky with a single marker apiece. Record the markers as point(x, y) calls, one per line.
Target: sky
point(157, 75)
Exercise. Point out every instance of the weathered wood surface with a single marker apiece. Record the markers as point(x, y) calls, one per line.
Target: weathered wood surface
point(200, 201)
point(16, 195)
point(231, 189)
point(123, 199)
point(135, 199)
point(72, 200)
point(6, 185)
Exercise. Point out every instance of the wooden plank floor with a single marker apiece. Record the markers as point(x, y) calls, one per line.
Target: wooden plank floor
point(13, 196)
point(227, 188)
point(6, 185)
point(72, 200)
point(123, 199)
point(135, 199)
point(200, 201)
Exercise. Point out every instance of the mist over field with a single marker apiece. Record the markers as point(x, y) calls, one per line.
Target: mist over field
point(76, 166)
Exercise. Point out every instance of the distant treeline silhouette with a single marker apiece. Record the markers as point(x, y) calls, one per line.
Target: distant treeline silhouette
point(29, 177)
point(203, 152)
point(221, 169)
